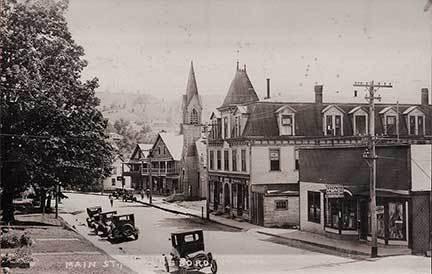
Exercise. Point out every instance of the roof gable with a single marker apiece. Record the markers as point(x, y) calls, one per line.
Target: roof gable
point(285, 107)
point(387, 109)
point(173, 142)
point(358, 109)
point(415, 109)
point(329, 107)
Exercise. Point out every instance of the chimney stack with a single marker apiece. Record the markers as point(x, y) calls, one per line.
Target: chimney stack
point(268, 88)
point(424, 96)
point(318, 94)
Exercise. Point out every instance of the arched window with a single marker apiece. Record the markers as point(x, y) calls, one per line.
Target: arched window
point(194, 117)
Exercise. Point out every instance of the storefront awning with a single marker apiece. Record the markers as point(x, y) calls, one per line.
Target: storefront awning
point(356, 190)
point(265, 188)
point(387, 193)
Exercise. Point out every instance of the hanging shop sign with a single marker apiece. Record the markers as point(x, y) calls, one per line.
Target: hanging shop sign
point(334, 191)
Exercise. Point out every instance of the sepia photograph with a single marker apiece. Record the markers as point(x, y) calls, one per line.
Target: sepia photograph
point(216, 136)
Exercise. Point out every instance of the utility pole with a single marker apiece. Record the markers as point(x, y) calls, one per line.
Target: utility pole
point(371, 156)
point(150, 177)
point(397, 120)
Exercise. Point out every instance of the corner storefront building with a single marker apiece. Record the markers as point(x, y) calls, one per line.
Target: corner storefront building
point(334, 193)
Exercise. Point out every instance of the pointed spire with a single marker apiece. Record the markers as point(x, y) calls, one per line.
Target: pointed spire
point(238, 65)
point(191, 88)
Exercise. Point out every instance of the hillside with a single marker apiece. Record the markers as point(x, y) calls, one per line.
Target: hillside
point(144, 109)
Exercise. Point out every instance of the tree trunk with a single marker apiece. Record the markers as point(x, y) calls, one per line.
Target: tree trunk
point(42, 201)
point(8, 208)
point(48, 202)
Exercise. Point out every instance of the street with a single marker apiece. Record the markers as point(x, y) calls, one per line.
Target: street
point(235, 251)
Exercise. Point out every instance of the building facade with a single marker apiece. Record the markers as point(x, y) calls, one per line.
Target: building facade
point(253, 159)
point(165, 160)
point(134, 168)
point(116, 179)
point(334, 193)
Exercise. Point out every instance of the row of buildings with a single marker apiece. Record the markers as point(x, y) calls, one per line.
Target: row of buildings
point(298, 164)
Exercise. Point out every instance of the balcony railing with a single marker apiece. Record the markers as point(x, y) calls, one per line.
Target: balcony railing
point(160, 171)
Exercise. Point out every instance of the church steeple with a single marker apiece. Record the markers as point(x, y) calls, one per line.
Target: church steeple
point(191, 88)
point(192, 107)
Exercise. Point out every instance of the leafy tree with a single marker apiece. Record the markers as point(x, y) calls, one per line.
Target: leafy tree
point(50, 123)
point(131, 136)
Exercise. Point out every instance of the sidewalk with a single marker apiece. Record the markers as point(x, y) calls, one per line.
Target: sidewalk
point(59, 249)
point(292, 237)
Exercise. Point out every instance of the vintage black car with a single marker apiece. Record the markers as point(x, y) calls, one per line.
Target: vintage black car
point(128, 195)
point(118, 193)
point(102, 221)
point(189, 253)
point(91, 212)
point(122, 227)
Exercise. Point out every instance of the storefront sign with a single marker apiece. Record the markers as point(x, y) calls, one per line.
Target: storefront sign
point(334, 191)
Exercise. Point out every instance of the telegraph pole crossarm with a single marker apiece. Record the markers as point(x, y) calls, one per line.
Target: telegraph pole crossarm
point(371, 156)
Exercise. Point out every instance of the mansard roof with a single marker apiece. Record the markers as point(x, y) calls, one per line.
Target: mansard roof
point(262, 121)
point(240, 91)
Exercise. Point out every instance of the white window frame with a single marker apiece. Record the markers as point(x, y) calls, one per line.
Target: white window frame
point(333, 124)
point(385, 122)
point(332, 111)
point(359, 112)
point(416, 119)
point(286, 111)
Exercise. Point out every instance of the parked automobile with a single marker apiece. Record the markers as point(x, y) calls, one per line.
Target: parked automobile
point(122, 227)
point(128, 195)
point(188, 253)
point(91, 212)
point(118, 192)
point(103, 221)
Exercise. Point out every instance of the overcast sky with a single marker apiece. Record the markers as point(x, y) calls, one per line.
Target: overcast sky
point(147, 45)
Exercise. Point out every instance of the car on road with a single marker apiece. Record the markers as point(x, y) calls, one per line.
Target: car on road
point(128, 195)
point(91, 212)
point(188, 253)
point(122, 227)
point(103, 221)
point(118, 193)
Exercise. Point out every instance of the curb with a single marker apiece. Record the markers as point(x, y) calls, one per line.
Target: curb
point(66, 225)
point(298, 241)
point(189, 214)
point(87, 193)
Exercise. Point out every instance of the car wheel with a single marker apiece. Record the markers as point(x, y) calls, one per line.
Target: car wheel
point(213, 266)
point(127, 230)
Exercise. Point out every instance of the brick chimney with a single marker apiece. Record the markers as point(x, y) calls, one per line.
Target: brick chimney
point(318, 94)
point(268, 89)
point(424, 96)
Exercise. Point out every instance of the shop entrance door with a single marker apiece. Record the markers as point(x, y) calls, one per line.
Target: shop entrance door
point(364, 210)
point(216, 193)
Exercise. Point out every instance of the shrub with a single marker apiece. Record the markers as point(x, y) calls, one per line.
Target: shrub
point(11, 239)
point(20, 256)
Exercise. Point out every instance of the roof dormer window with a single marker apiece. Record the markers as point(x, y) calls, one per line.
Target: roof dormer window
point(333, 121)
point(286, 120)
point(415, 120)
point(360, 121)
point(390, 121)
